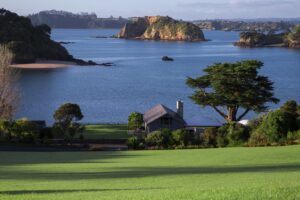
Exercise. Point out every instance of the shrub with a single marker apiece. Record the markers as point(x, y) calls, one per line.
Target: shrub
point(5, 129)
point(290, 109)
point(155, 138)
point(222, 140)
point(160, 138)
point(275, 126)
point(45, 134)
point(255, 123)
point(133, 142)
point(181, 137)
point(293, 136)
point(209, 137)
point(259, 138)
point(25, 130)
point(237, 134)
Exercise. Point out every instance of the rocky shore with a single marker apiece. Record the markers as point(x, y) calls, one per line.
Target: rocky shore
point(161, 28)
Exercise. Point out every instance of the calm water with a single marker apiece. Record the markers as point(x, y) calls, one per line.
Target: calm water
point(141, 80)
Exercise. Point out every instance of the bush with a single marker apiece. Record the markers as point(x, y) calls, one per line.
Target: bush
point(275, 126)
point(255, 123)
point(46, 134)
point(136, 142)
point(181, 137)
point(155, 138)
point(160, 138)
point(222, 133)
point(5, 129)
point(209, 137)
point(293, 136)
point(290, 110)
point(237, 134)
point(259, 138)
point(25, 131)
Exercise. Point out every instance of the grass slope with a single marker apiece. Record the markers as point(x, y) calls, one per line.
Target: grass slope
point(106, 131)
point(231, 173)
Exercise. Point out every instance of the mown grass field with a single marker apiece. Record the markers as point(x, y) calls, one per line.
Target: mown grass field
point(106, 131)
point(230, 173)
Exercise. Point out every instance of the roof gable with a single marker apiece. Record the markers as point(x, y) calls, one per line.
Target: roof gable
point(159, 111)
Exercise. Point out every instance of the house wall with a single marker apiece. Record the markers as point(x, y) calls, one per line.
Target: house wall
point(157, 124)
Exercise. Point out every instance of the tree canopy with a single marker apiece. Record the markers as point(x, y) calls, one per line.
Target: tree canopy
point(67, 113)
point(230, 87)
point(135, 120)
point(66, 117)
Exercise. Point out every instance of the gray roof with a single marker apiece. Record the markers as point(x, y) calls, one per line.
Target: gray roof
point(159, 111)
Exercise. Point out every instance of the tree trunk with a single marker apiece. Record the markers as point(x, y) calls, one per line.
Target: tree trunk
point(231, 117)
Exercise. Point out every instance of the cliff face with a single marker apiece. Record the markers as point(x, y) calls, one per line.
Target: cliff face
point(293, 39)
point(294, 43)
point(134, 29)
point(161, 28)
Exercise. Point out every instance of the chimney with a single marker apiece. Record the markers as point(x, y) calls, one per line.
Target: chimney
point(179, 107)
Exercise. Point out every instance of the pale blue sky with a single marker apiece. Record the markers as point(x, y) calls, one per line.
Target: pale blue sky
point(180, 9)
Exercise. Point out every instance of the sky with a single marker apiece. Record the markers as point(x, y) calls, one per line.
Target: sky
point(179, 9)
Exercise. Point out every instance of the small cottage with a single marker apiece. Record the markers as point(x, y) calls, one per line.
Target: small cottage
point(161, 116)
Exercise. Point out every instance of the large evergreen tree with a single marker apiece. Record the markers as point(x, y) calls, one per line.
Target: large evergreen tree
point(230, 87)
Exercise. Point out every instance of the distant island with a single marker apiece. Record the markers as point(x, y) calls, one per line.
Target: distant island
point(63, 19)
point(259, 26)
point(161, 28)
point(30, 43)
point(256, 39)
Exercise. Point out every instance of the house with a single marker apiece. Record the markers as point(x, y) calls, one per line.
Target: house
point(40, 123)
point(197, 124)
point(161, 116)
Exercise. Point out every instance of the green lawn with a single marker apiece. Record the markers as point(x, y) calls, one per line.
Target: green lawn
point(230, 173)
point(106, 131)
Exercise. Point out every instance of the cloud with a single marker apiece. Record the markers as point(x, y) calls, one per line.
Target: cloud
point(202, 5)
point(264, 3)
point(240, 4)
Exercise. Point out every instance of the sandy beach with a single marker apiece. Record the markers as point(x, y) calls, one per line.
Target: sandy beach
point(44, 64)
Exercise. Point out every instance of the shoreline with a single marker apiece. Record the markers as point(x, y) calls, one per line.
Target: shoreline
point(57, 64)
point(45, 64)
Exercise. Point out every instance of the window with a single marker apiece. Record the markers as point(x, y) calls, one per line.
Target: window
point(166, 121)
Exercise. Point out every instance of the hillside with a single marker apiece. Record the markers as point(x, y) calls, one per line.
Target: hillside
point(27, 42)
point(62, 19)
point(161, 28)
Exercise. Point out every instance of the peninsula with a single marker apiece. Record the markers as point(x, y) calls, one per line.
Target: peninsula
point(161, 28)
point(256, 39)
